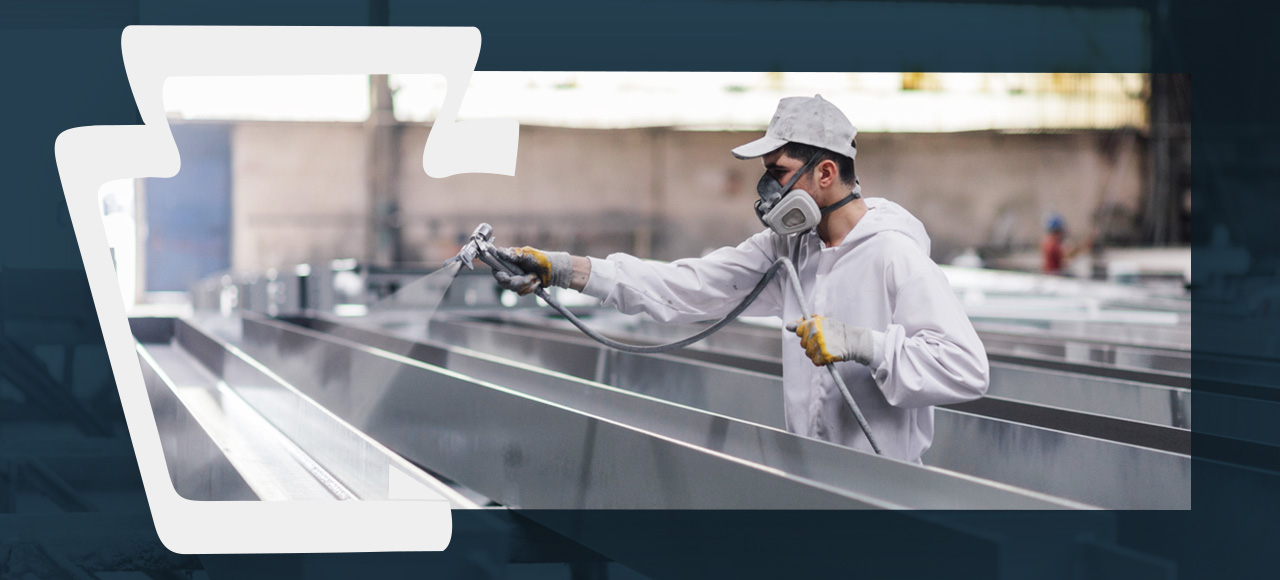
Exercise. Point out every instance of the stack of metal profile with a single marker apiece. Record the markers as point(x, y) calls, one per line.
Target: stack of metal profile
point(494, 402)
point(486, 397)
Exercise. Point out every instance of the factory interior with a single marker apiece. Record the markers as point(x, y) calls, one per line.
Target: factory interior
point(299, 337)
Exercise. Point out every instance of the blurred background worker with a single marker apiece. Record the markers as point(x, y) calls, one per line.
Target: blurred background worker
point(1055, 253)
point(1051, 251)
point(884, 308)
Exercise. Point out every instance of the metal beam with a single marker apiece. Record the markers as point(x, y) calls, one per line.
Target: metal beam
point(1065, 417)
point(1130, 432)
point(1153, 377)
point(728, 346)
point(1174, 337)
point(1129, 400)
point(1089, 350)
point(1098, 483)
point(285, 445)
point(198, 468)
point(671, 455)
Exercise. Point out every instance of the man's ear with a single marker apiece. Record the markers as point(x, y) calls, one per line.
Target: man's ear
point(827, 173)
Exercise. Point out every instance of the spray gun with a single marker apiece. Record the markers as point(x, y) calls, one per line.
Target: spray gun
point(480, 245)
point(480, 242)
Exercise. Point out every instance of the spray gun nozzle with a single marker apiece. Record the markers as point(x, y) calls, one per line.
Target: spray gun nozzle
point(481, 240)
point(480, 246)
point(464, 257)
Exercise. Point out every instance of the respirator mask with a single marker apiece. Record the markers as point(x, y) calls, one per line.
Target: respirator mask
point(787, 212)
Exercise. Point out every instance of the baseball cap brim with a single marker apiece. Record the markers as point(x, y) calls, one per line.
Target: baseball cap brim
point(759, 148)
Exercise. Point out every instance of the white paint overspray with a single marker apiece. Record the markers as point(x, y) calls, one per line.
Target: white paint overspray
point(422, 296)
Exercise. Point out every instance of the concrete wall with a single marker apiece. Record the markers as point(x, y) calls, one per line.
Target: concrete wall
point(300, 191)
point(992, 189)
point(577, 190)
point(970, 189)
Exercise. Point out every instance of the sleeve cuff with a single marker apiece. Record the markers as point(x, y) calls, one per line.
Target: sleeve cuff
point(604, 276)
point(877, 352)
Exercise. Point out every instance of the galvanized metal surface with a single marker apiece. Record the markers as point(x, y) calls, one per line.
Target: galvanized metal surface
point(1090, 470)
point(1095, 350)
point(701, 385)
point(218, 446)
point(523, 451)
point(1135, 433)
point(902, 484)
point(272, 466)
point(348, 463)
point(197, 467)
point(1087, 423)
point(758, 347)
point(1101, 370)
point(1155, 404)
point(973, 457)
point(1115, 397)
point(1175, 336)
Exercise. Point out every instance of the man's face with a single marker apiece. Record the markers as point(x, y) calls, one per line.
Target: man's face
point(782, 167)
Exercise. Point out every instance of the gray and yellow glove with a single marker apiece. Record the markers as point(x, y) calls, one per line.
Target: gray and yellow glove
point(827, 340)
point(541, 269)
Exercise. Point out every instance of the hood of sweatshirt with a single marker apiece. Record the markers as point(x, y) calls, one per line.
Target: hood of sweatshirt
point(886, 216)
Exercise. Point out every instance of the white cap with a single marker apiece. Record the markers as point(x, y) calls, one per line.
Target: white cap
point(809, 120)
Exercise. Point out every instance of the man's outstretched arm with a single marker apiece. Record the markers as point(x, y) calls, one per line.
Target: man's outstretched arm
point(687, 290)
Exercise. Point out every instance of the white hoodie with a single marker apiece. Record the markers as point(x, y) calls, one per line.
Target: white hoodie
point(880, 277)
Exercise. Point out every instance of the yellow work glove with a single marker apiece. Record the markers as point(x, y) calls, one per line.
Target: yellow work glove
point(826, 340)
point(540, 269)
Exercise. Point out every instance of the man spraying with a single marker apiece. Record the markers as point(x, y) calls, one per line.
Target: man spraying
point(885, 313)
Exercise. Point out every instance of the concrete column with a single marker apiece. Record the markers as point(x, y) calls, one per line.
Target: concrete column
point(383, 136)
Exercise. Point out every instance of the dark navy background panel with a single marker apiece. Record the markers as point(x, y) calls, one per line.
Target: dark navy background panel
point(660, 35)
point(188, 216)
point(63, 68)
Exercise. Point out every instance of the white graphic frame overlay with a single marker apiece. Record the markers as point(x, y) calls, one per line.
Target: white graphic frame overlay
point(89, 157)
